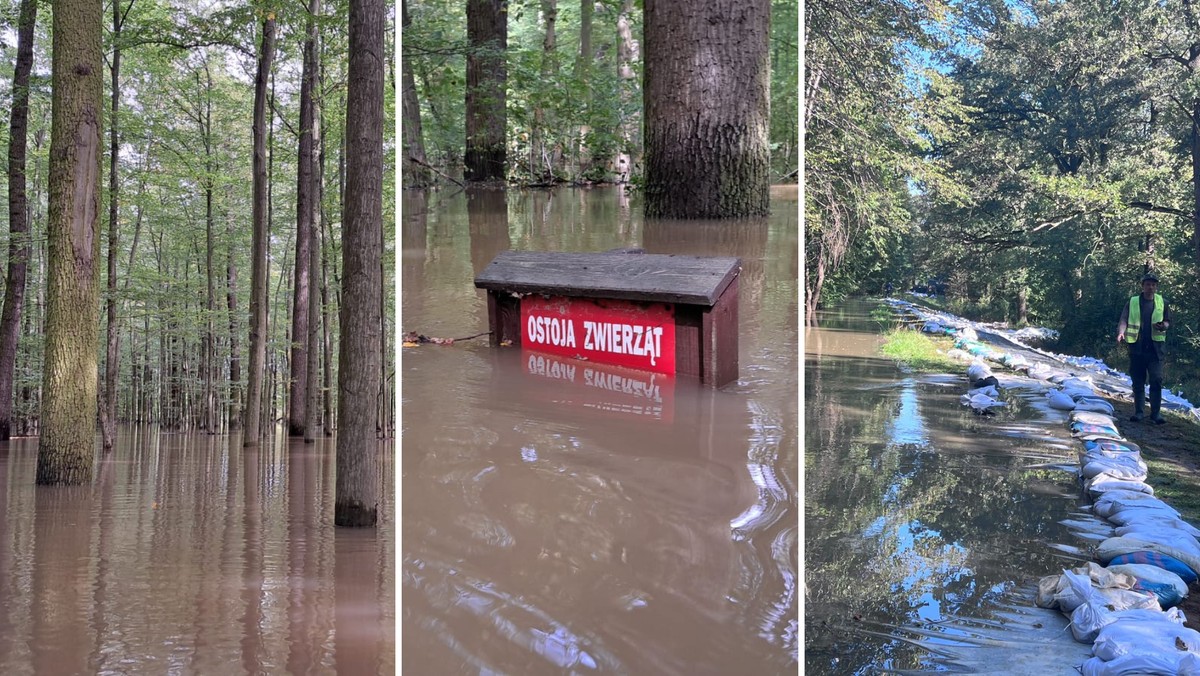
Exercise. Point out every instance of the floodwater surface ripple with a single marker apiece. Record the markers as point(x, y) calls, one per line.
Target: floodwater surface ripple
point(927, 526)
point(560, 516)
point(189, 554)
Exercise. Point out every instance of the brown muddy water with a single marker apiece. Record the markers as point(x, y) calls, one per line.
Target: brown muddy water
point(926, 526)
point(561, 517)
point(191, 555)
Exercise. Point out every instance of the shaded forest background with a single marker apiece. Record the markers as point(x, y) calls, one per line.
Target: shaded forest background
point(573, 93)
point(179, 257)
point(1032, 158)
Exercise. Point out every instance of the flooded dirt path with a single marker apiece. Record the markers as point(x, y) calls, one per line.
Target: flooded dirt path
point(565, 517)
point(188, 555)
point(926, 526)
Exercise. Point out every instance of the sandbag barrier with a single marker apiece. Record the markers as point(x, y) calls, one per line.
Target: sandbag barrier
point(1110, 380)
point(1126, 604)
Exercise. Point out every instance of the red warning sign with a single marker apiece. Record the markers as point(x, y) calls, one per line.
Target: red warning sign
point(625, 333)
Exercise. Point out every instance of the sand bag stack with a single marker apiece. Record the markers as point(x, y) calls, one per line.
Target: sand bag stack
point(1125, 605)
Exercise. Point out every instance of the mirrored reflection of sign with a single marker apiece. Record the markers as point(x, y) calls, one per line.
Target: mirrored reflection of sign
point(607, 389)
point(625, 333)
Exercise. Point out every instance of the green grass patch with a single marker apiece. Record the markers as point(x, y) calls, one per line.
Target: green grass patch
point(919, 351)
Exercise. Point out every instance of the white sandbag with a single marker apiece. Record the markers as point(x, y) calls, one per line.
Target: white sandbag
point(1077, 392)
point(1131, 468)
point(1123, 513)
point(1057, 591)
point(1060, 401)
point(1077, 383)
point(1144, 637)
point(1093, 418)
point(1162, 534)
point(1178, 663)
point(968, 333)
point(1096, 405)
point(987, 391)
point(1117, 500)
point(1152, 574)
point(1116, 546)
point(958, 355)
point(1156, 521)
point(978, 370)
point(1101, 483)
point(1097, 612)
point(980, 402)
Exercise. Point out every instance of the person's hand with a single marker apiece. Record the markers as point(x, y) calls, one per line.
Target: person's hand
point(1161, 326)
point(1121, 337)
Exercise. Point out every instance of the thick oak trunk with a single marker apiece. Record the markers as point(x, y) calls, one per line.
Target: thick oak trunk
point(707, 81)
point(69, 383)
point(487, 31)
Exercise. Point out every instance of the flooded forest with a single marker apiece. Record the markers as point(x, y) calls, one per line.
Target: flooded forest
point(196, 346)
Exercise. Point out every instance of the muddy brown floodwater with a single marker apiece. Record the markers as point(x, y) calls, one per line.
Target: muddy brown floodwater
point(560, 516)
point(191, 555)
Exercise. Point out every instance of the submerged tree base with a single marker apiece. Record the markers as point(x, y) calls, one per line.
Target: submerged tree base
point(63, 469)
point(353, 514)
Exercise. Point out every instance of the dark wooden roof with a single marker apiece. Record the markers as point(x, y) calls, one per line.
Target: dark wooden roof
point(667, 278)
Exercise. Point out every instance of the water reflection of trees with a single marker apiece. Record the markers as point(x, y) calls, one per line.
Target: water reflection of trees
point(903, 533)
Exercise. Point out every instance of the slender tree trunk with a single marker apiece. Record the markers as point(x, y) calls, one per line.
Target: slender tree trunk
point(415, 172)
point(627, 56)
point(540, 165)
point(208, 351)
point(65, 452)
point(707, 108)
point(487, 31)
point(258, 249)
point(583, 73)
point(313, 391)
point(356, 500)
point(18, 220)
point(235, 357)
point(112, 364)
point(302, 286)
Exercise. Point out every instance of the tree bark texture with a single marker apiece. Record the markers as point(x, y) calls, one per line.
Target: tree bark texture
point(487, 74)
point(706, 101)
point(108, 416)
point(18, 218)
point(416, 173)
point(305, 193)
point(69, 383)
point(313, 389)
point(258, 248)
point(356, 501)
point(235, 356)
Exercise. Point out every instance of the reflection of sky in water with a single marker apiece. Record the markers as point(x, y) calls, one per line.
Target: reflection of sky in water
point(908, 427)
point(923, 565)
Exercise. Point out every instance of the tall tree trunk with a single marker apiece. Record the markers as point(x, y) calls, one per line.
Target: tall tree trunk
point(541, 167)
point(487, 31)
point(707, 108)
point(302, 286)
point(18, 219)
point(415, 172)
point(208, 351)
point(69, 381)
point(235, 356)
point(108, 413)
point(313, 392)
point(583, 73)
point(356, 501)
point(627, 57)
point(258, 249)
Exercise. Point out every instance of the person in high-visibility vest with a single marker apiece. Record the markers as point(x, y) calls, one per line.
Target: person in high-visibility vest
point(1143, 327)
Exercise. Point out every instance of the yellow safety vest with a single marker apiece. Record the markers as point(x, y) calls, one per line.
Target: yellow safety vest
point(1135, 319)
